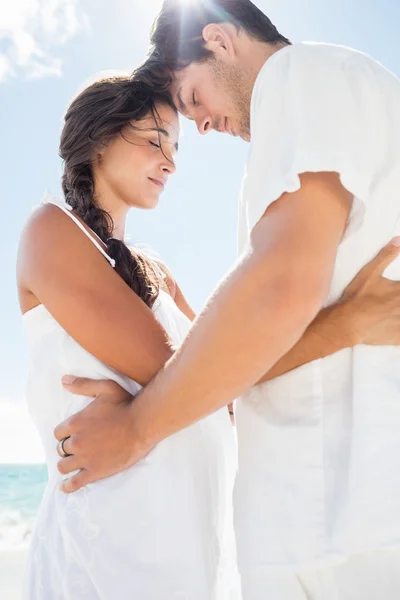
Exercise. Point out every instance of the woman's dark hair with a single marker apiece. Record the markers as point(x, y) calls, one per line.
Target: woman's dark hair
point(93, 119)
point(177, 40)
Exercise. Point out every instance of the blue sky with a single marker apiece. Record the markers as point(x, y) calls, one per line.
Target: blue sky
point(48, 49)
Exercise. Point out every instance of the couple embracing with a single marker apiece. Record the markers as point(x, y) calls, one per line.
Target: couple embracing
point(304, 331)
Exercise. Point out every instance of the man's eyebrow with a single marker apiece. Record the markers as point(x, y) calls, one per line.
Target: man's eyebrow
point(182, 105)
point(163, 132)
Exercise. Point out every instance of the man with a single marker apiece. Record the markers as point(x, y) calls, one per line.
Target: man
point(318, 492)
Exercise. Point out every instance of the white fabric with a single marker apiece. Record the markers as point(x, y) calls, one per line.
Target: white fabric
point(160, 530)
point(372, 576)
point(319, 447)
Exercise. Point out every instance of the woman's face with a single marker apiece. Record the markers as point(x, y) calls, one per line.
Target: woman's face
point(133, 169)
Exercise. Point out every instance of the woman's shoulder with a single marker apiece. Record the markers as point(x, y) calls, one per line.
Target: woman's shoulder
point(51, 240)
point(45, 219)
point(48, 223)
point(40, 231)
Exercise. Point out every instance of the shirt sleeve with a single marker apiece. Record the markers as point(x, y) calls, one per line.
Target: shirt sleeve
point(311, 112)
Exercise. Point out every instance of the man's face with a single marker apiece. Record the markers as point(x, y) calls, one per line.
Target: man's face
point(216, 96)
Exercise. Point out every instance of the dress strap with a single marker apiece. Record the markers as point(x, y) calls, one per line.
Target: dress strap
point(67, 209)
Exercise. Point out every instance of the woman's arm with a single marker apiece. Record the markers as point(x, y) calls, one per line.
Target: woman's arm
point(330, 332)
point(62, 268)
point(367, 313)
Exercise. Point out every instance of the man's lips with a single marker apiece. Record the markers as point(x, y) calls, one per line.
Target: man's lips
point(158, 182)
point(225, 128)
point(221, 127)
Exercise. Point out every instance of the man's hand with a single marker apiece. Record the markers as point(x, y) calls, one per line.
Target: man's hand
point(102, 438)
point(99, 438)
point(372, 302)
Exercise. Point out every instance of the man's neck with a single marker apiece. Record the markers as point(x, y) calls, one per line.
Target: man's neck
point(255, 54)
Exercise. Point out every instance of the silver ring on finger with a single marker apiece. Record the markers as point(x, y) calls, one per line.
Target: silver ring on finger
point(61, 449)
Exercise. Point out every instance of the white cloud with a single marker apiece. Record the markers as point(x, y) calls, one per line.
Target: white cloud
point(31, 31)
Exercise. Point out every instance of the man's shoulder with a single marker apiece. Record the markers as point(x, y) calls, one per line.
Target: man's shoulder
point(304, 64)
point(320, 53)
point(311, 54)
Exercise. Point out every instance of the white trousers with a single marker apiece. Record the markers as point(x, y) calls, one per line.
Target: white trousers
point(373, 576)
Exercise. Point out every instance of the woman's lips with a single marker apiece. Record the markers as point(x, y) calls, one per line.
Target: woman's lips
point(157, 182)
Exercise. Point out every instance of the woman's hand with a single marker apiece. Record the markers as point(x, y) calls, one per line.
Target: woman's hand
point(372, 302)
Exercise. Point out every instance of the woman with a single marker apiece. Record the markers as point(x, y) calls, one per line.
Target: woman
point(95, 307)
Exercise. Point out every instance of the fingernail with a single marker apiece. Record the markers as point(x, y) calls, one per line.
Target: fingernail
point(68, 379)
point(396, 241)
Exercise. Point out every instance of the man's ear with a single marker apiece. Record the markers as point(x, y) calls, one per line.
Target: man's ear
point(219, 39)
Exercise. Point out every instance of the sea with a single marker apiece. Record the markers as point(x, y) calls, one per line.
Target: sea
point(21, 490)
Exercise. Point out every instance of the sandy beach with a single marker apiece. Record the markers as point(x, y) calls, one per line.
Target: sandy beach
point(12, 565)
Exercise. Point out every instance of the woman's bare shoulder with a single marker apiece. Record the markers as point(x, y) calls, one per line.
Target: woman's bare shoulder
point(47, 220)
point(49, 241)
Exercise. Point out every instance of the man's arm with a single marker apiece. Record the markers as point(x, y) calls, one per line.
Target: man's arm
point(368, 313)
point(259, 312)
point(364, 315)
point(256, 316)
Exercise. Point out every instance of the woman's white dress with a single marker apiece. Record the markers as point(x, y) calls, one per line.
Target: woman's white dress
point(160, 530)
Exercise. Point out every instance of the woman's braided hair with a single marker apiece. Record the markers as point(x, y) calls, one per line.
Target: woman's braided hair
point(93, 119)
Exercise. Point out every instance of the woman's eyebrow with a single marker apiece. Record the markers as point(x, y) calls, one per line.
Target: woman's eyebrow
point(163, 132)
point(159, 130)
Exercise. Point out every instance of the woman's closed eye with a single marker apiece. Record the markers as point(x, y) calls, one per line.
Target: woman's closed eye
point(155, 145)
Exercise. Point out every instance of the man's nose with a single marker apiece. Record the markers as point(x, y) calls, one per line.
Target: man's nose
point(204, 125)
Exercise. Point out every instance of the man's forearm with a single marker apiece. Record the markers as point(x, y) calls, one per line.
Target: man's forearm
point(249, 324)
point(330, 332)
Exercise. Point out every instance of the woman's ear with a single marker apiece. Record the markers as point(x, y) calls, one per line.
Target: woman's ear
point(100, 152)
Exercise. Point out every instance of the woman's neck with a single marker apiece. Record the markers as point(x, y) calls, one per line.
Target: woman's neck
point(118, 212)
point(119, 227)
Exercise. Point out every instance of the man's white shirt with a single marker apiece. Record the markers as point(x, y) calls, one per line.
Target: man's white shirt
point(319, 447)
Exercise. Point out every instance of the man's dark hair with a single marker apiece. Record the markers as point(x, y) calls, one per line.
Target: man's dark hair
point(177, 40)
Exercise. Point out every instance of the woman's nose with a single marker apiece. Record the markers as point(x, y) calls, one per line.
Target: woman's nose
point(169, 167)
